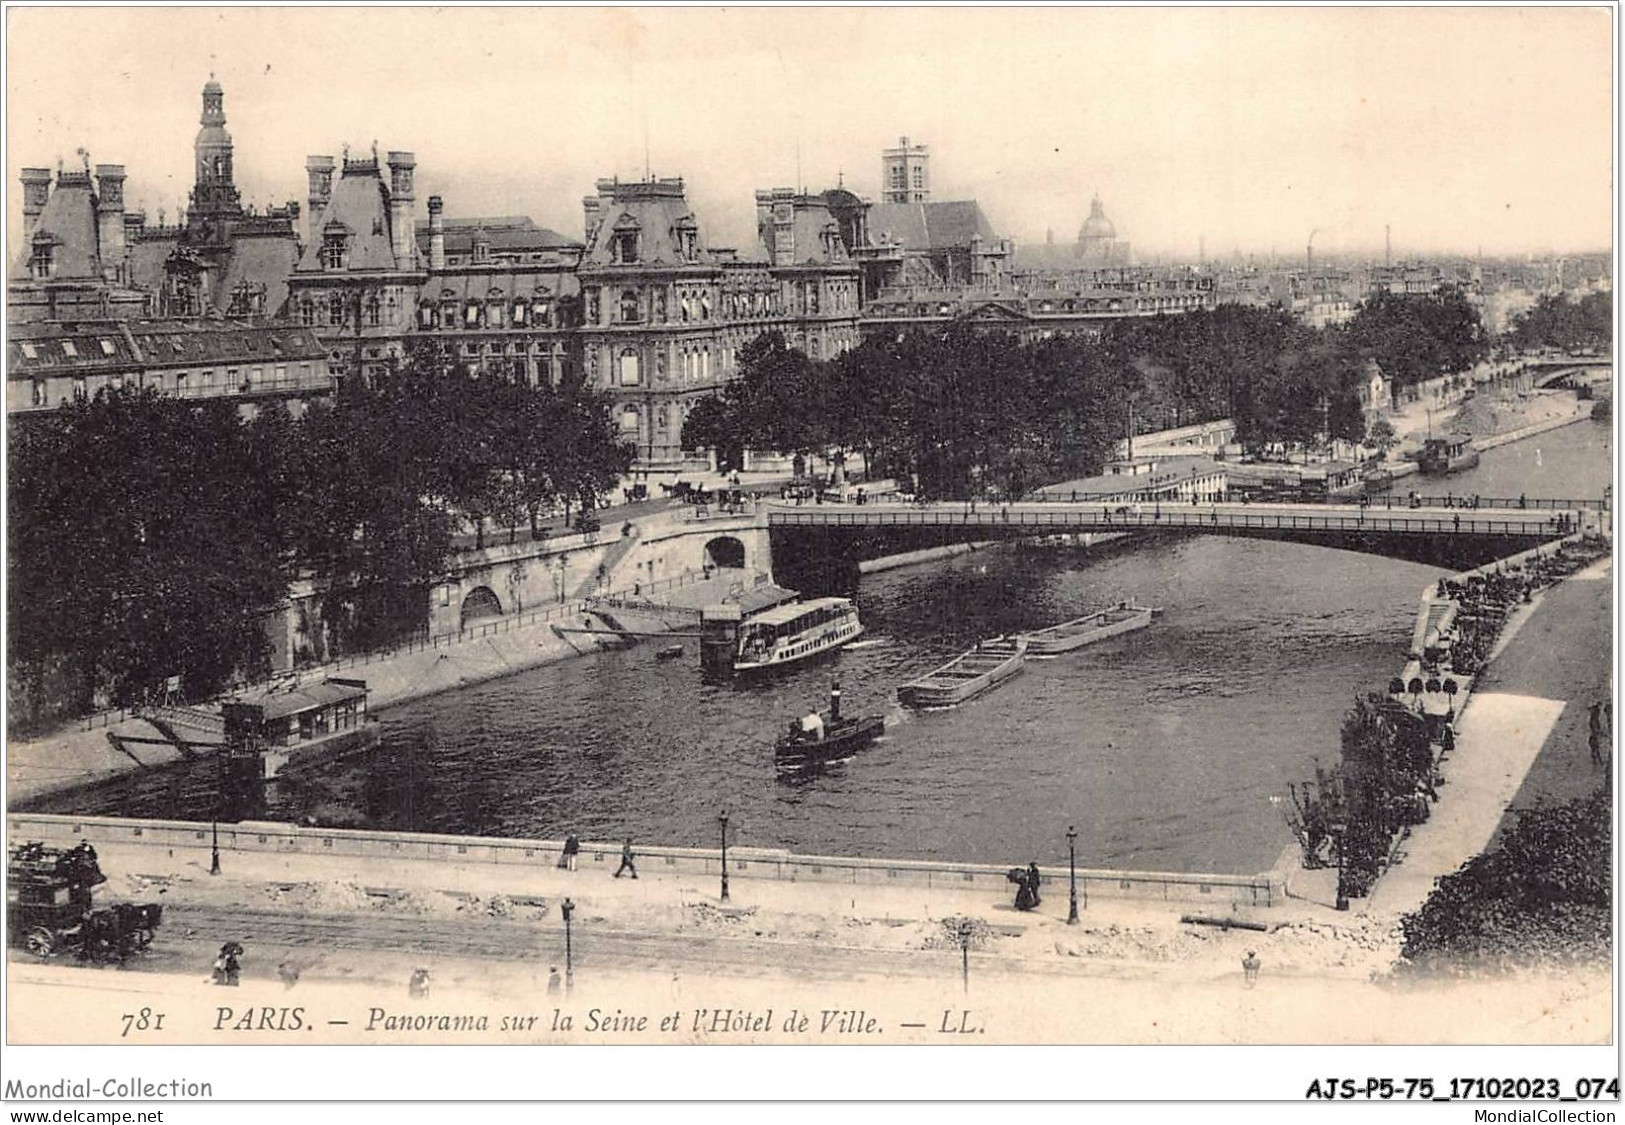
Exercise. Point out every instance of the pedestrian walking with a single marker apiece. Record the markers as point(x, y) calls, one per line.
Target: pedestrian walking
point(1250, 965)
point(1033, 880)
point(626, 860)
point(553, 982)
point(572, 848)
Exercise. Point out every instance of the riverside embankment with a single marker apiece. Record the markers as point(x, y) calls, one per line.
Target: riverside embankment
point(616, 742)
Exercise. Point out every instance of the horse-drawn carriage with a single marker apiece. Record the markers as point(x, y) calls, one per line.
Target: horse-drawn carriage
point(49, 907)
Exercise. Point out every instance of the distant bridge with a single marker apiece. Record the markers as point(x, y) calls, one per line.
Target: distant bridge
point(1456, 537)
point(1553, 371)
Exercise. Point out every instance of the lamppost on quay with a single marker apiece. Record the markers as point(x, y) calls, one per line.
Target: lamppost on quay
point(1340, 832)
point(722, 819)
point(214, 847)
point(964, 953)
point(568, 908)
point(1072, 871)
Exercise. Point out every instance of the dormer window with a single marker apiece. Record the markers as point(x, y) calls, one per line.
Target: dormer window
point(335, 248)
point(69, 350)
point(482, 252)
point(686, 235)
point(623, 246)
point(43, 264)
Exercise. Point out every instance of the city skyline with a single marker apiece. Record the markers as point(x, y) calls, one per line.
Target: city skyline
point(1246, 130)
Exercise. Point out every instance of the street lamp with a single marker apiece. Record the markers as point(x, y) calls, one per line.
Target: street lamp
point(1072, 870)
point(214, 849)
point(1340, 832)
point(722, 819)
point(964, 953)
point(568, 908)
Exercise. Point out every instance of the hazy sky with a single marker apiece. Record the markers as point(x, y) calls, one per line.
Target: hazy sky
point(1252, 127)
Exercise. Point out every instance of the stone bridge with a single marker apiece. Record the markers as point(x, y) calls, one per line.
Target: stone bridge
point(636, 558)
point(1560, 371)
point(826, 538)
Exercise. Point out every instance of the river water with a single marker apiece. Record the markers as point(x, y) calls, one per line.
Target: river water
point(1169, 749)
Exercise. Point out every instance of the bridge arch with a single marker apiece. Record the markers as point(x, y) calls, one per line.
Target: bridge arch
point(481, 602)
point(725, 552)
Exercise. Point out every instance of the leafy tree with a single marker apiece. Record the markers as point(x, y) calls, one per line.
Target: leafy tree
point(714, 424)
point(1542, 897)
point(144, 545)
point(1413, 339)
point(1558, 322)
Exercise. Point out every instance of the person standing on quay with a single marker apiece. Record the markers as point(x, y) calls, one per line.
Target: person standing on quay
point(1250, 965)
point(572, 848)
point(626, 860)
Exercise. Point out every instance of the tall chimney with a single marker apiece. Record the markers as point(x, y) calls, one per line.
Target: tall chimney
point(401, 205)
point(437, 233)
point(110, 220)
point(784, 227)
point(592, 215)
point(320, 169)
point(36, 190)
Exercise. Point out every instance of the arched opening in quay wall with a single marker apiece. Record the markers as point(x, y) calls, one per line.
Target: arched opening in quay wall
point(481, 603)
point(725, 552)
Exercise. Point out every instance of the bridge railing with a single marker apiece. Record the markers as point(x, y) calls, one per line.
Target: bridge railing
point(1171, 516)
point(1386, 501)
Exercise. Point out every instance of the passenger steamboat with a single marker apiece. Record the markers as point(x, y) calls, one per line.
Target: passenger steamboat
point(788, 634)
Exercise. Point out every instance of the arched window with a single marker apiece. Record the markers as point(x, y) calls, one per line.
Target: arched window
point(705, 308)
point(628, 367)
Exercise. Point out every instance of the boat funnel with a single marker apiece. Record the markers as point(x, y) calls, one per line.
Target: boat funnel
point(835, 702)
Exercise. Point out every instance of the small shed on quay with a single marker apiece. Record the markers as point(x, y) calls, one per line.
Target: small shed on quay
point(287, 717)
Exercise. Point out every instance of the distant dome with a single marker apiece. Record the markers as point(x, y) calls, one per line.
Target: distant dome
point(211, 86)
point(1097, 225)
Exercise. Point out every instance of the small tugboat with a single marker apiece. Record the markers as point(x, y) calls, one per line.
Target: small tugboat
point(1125, 617)
point(984, 667)
point(815, 739)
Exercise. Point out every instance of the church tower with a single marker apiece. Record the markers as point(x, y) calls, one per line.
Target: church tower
point(214, 196)
point(905, 173)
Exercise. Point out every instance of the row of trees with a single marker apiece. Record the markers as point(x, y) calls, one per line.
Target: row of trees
point(1557, 322)
point(149, 536)
point(963, 411)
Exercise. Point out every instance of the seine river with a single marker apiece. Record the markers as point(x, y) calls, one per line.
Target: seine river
point(1171, 748)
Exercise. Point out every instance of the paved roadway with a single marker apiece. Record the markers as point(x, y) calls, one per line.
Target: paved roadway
point(1108, 516)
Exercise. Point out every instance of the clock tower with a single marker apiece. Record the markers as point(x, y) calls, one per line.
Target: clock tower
point(215, 196)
